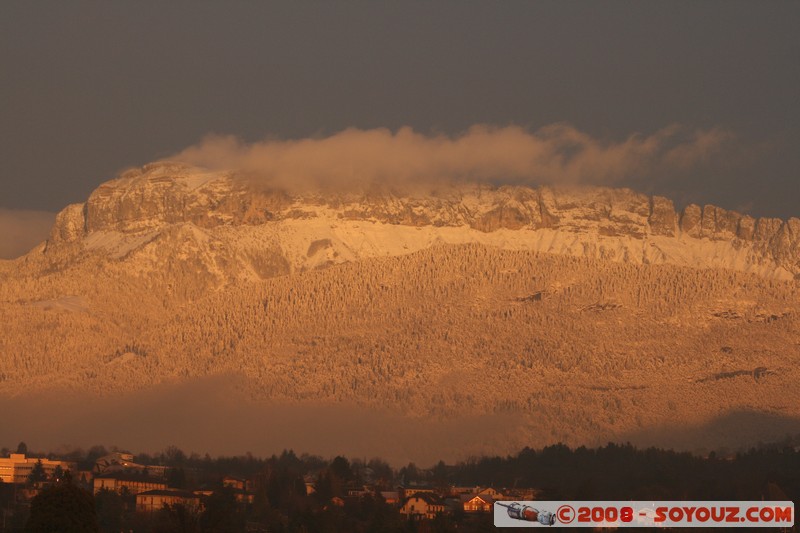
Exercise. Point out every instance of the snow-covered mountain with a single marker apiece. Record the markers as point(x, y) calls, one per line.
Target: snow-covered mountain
point(232, 228)
point(422, 306)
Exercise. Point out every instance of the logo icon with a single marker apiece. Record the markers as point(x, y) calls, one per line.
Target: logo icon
point(565, 514)
point(527, 513)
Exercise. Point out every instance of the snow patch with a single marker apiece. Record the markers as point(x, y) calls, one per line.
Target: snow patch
point(116, 243)
point(73, 304)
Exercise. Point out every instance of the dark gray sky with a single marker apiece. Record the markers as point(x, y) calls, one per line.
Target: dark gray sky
point(88, 88)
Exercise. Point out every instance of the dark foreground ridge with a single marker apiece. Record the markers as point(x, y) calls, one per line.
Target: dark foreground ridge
point(110, 491)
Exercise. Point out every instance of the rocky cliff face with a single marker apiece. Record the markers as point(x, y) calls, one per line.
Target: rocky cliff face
point(616, 224)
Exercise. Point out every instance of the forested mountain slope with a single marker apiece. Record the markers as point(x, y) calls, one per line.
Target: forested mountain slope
point(437, 307)
point(591, 347)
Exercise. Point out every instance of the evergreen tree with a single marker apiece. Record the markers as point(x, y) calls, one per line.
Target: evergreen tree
point(340, 467)
point(37, 474)
point(64, 508)
point(176, 478)
point(110, 510)
point(221, 512)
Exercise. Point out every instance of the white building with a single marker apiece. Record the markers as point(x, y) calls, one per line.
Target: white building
point(16, 467)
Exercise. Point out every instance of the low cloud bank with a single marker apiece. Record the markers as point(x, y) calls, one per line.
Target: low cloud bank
point(209, 415)
point(22, 230)
point(555, 154)
point(212, 415)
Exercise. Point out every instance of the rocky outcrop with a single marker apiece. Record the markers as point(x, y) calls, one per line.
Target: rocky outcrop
point(663, 220)
point(161, 195)
point(747, 228)
point(70, 225)
point(719, 224)
point(692, 220)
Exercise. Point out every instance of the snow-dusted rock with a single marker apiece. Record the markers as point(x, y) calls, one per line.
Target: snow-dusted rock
point(240, 228)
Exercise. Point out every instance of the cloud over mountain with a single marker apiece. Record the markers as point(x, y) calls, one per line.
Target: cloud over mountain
point(558, 153)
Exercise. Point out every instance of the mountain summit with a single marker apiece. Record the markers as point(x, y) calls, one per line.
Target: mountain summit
point(240, 229)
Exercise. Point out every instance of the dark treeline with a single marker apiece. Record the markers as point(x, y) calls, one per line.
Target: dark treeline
point(620, 472)
point(281, 502)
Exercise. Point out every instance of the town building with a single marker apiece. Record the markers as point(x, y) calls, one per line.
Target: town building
point(154, 500)
point(477, 503)
point(422, 505)
point(113, 462)
point(311, 485)
point(123, 462)
point(130, 483)
point(242, 488)
point(406, 491)
point(492, 493)
point(236, 483)
point(17, 467)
